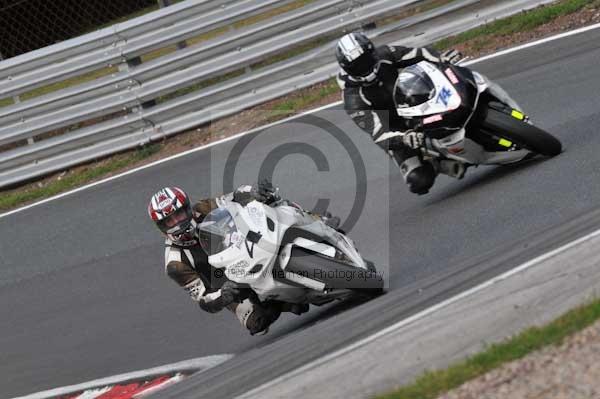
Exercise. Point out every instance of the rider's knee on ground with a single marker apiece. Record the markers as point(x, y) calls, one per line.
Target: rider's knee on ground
point(419, 175)
point(421, 180)
point(181, 273)
point(254, 317)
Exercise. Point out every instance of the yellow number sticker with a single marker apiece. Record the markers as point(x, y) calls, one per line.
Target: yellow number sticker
point(518, 115)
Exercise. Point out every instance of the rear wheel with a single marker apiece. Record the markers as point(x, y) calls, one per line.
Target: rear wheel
point(527, 136)
point(334, 273)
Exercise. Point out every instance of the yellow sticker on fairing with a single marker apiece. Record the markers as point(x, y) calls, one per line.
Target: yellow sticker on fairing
point(505, 143)
point(518, 115)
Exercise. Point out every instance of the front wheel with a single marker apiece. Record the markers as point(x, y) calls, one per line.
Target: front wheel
point(521, 133)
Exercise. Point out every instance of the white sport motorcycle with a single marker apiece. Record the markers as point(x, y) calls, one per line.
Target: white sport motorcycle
point(283, 253)
point(465, 119)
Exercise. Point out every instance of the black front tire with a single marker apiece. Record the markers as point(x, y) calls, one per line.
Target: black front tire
point(522, 133)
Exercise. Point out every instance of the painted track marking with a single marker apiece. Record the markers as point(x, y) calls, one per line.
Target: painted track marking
point(199, 364)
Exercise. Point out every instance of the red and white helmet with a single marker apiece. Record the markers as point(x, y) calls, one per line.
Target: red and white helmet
point(171, 210)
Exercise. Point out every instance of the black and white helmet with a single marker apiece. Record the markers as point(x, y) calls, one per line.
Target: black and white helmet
point(357, 57)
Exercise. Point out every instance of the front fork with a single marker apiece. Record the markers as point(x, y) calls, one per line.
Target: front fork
point(512, 107)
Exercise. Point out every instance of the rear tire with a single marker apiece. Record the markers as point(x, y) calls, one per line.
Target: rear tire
point(523, 134)
point(335, 274)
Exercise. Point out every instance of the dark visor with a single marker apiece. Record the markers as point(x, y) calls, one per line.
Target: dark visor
point(363, 65)
point(179, 216)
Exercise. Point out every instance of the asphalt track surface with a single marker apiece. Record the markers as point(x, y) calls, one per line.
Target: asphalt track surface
point(82, 286)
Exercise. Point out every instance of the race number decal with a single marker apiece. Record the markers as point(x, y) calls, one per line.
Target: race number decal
point(256, 214)
point(444, 96)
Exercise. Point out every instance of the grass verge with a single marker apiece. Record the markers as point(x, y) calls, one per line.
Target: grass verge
point(289, 106)
point(434, 383)
point(69, 182)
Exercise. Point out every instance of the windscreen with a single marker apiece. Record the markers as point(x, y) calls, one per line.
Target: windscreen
point(216, 231)
point(413, 87)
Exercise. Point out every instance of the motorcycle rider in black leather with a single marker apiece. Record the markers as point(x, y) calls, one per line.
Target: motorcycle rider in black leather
point(368, 78)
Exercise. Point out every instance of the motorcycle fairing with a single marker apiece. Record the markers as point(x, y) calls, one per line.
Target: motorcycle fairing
point(257, 263)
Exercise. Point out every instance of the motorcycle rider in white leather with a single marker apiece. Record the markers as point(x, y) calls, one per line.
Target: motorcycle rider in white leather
point(187, 264)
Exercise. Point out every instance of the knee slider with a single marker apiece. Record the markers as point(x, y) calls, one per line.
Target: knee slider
point(419, 175)
point(254, 317)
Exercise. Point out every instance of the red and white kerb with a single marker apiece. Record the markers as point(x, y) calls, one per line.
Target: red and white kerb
point(165, 202)
point(130, 390)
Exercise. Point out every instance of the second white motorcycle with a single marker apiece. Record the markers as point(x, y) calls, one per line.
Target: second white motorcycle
point(460, 118)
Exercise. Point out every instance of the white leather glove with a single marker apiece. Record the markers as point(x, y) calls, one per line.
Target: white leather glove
point(413, 140)
point(452, 56)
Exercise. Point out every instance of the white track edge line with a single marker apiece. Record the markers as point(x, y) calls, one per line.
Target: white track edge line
point(215, 143)
point(405, 322)
point(163, 160)
point(535, 43)
point(200, 364)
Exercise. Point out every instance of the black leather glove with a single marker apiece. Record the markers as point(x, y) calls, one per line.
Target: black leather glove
point(245, 194)
point(267, 191)
point(264, 192)
point(230, 293)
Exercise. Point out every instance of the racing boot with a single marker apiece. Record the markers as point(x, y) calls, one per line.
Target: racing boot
point(327, 218)
point(418, 174)
point(331, 221)
point(256, 318)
